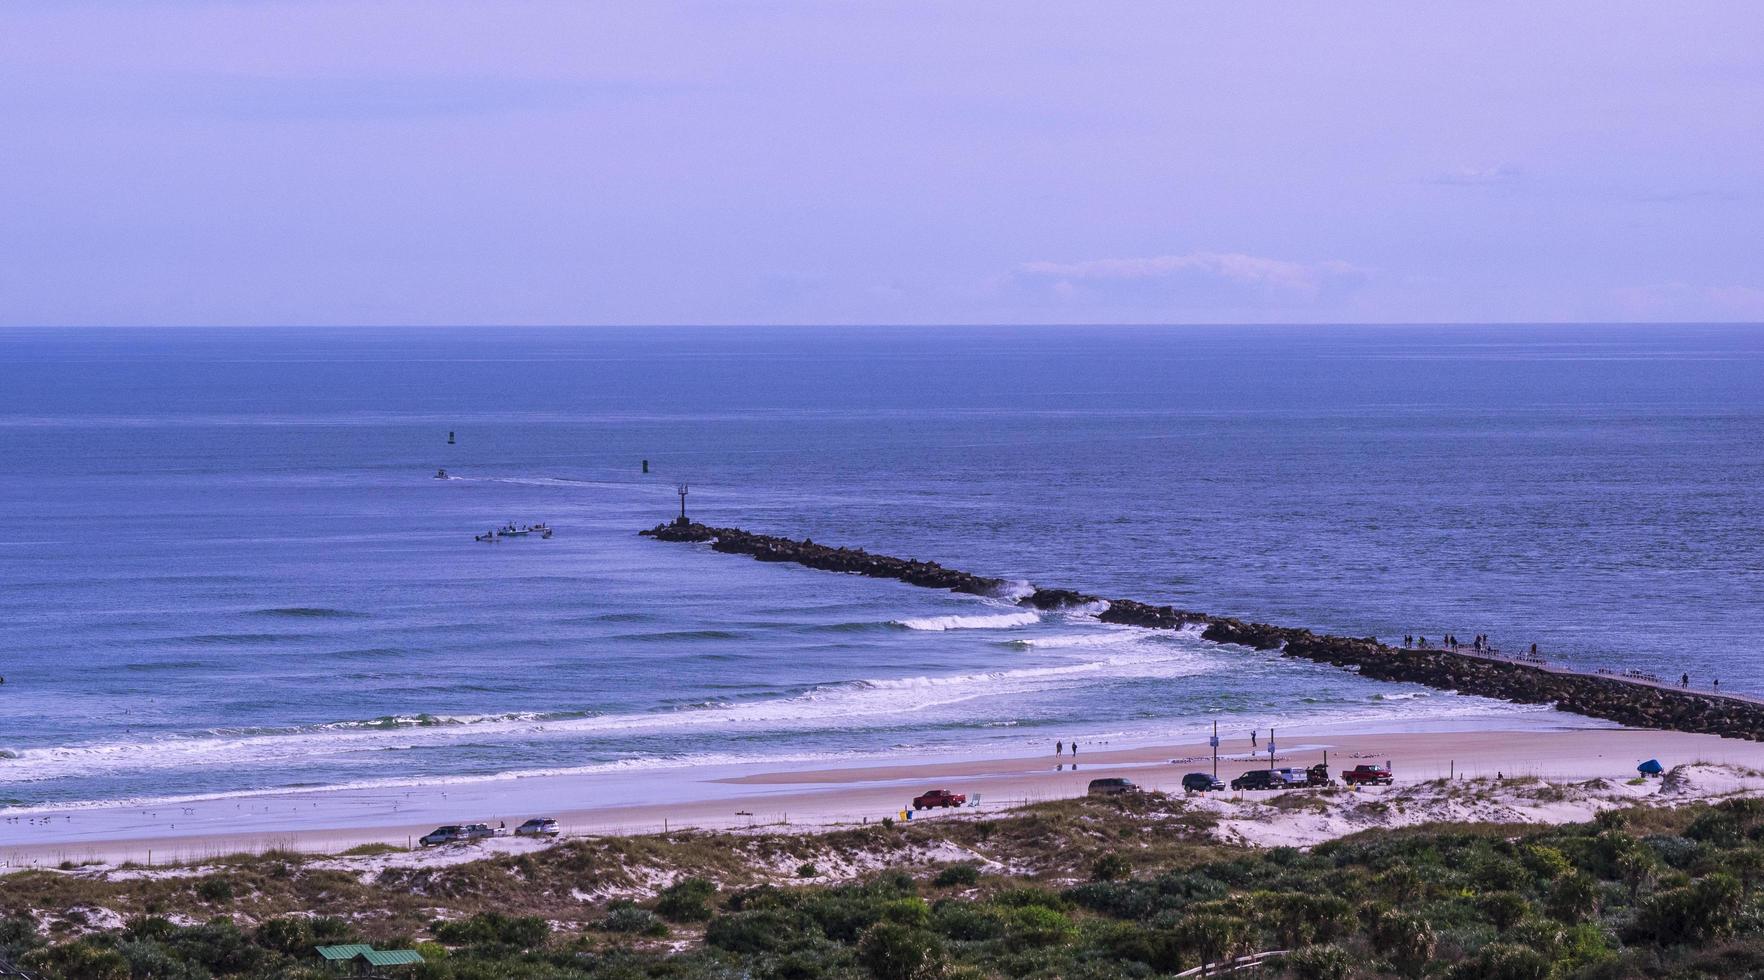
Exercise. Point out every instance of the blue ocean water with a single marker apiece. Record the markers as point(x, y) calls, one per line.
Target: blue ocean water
point(226, 565)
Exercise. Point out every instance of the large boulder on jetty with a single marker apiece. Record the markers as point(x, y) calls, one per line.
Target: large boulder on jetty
point(1056, 599)
point(1258, 635)
point(675, 531)
point(1127, 612)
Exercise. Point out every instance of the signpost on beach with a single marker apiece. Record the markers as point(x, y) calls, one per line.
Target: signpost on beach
point(1270, 748)
point(1214, 741)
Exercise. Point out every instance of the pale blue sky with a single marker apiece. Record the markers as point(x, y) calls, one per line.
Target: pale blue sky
point(518, 161)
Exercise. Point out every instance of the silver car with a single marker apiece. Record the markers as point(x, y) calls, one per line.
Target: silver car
point(538, 827)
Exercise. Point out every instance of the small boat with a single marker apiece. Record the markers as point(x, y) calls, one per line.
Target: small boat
point(486, 536)
point(514, 532)
point(441, 475)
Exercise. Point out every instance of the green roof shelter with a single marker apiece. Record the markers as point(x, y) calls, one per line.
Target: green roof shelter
point(366, 958)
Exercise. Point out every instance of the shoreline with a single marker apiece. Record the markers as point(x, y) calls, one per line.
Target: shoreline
point(813, 796)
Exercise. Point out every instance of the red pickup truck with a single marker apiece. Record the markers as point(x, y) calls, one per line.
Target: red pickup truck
point(938, 797)
point(1367, 776)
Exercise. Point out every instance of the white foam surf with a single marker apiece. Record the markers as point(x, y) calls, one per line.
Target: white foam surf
point(995, 621)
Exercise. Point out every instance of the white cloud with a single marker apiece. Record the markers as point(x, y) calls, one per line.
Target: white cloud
point(1274, 278)
point(1478, 176)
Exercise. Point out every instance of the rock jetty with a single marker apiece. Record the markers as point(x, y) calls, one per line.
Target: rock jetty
point(1608, 697)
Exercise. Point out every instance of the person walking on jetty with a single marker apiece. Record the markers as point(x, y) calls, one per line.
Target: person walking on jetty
point(1683, 680)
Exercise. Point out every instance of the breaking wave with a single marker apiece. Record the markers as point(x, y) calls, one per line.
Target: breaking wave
point(996, 621)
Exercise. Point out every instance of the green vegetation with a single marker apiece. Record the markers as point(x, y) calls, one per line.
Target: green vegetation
point(1097, 889)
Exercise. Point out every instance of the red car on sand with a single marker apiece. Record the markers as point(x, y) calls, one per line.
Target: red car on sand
point(938, 797)
point(1365, 775)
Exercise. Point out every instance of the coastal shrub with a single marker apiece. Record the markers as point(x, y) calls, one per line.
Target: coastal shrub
point(1574, 898)
point(1179, 889)
point(966, 922)
point(1679, 853)
point(844, 913)
point(892, 883)
point(768, 930)
point(1127, 941)
point(1029, 895)
point(896, 951)
point(1213, 937)
point(217, 945)
point(957, 876)
point(1545, 863)
point(1037, 925)
point(1110, 867)
point(493, 932)
point(290, 937)
point(1121, 900)
point(1504, 961)
point(1302, 918)
point(79, 959)
point(630, 917)
point(1328, 962)
point(807, 870)
point(912, 912)
point(217, 889)
point(18, 936)
point(149, 959)
point(1706, 909)
point(1407, 939)
point(1503, 909)
point(686, 901)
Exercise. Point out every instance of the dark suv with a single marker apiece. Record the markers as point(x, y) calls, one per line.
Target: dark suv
point(1201, 782)
point(1260, 779)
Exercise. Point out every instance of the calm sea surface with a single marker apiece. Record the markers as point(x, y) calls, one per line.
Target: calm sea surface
point(226, 563)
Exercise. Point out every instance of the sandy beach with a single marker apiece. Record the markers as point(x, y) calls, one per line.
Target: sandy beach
point(809, 796)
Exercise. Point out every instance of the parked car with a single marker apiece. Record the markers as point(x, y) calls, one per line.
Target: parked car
point(1367, 775)
point(1291, 776)
point(1112, 786)
point(538, 827)
point(442, 835)
point(933, 798)
point(1260, 779)
point(1318, 775)
point(453, 833)
point(1201, 782)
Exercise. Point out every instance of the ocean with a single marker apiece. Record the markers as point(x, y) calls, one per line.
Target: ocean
point(227, 565)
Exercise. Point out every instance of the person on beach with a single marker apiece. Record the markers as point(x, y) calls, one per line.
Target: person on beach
point(1717, 683)
point(1683, 680)
point(1252, 738)
point(1059, 748)
point(1074, 747)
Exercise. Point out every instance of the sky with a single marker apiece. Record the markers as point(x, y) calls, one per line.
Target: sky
point(653, 162)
